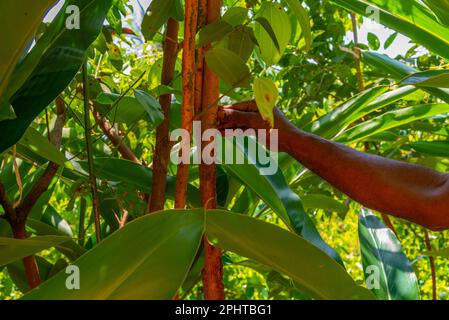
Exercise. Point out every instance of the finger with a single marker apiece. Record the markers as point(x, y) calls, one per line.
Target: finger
point(244, 106)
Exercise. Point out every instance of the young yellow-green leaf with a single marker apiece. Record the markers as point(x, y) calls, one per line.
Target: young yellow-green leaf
point(274, 15)
point(228, 66)
point(266, 94)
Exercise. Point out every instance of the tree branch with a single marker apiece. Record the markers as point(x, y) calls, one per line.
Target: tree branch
point(90, 160)
point(44, 181)
point(114, 137)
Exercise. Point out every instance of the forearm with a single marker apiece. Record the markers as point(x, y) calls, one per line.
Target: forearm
point(404, 190)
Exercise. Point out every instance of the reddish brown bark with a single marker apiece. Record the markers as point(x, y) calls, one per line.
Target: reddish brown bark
point(188, 94)
point(29, 263)
point(202, 20)
point(162, 150)
point(212, 274)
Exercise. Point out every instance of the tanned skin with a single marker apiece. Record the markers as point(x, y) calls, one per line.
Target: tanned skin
point(404, 190)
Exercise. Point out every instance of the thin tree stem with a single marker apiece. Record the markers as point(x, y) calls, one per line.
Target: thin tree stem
point(188, 95)
point(432, 265)
point(90, 161)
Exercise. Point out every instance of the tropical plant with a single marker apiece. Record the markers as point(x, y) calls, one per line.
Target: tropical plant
point(90, 96)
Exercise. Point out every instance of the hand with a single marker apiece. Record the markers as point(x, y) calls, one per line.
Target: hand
point(245, 115)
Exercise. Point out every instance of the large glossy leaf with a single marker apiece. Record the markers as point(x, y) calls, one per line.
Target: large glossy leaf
point(440, 8)
point(19, 22)
point(382, 253)
point(285, 252)
point(399, 71)
point(434, 148)
point(36, 143)
point(14, 249)
point(330, 124)
point(274, 191)
point(392, 119)
point(409, 17)
point(148, 259)
point(69, 248)
point(58, 65)
point(433, 79)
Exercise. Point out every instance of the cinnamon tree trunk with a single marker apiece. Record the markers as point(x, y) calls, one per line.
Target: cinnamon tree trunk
point(212, 274)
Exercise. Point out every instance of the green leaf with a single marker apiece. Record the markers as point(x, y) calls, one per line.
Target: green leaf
point(272, 44)
point(127, 109)
point(213, 32)
point(178, 10)
point(69, 248)
point(303, 19)
point(373, 41)
point(412, 19)
point(60, 61)
point(228, 66)
point(392, 119)
point(434, 148)
point(267, 94)
point(36, 143)
point(390, 40)
point(157, 14)
point(19, 23)
point(151, 106)
point(274, 191)
point(399, 71)
point(269, 30)
point(320, 201)
point(148, 259)
point(440, 8)
point(387, 269)
point(235, 16)
point(433, 78)
point(330, 124)
point(14, 249)
point(285, 252)
point(240, 41)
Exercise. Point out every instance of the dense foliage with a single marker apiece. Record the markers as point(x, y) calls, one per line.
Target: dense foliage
point(79, 111)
